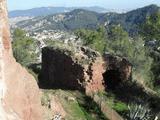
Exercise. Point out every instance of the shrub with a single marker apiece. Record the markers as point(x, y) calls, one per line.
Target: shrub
point(139, 112)
point(120, 107)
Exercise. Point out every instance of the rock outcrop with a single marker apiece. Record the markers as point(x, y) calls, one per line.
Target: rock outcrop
point(81, 68)
point(72, 68)
point(19, 93)
point(53, 108)
point(118, 70)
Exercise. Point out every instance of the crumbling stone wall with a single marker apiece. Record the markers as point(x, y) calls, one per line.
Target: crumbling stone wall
point(64, 69)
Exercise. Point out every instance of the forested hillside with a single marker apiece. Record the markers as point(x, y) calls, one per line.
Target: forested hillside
point(77, 19)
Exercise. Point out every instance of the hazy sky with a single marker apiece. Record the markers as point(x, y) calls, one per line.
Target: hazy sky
point(109, 4)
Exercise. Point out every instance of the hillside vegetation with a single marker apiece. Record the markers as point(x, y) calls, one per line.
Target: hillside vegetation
point(134, 36)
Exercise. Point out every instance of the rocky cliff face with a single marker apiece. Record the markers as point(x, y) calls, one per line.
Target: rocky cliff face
point(19, 93)
point(66, 69)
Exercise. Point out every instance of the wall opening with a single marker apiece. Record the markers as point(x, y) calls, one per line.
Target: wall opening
point(112, 79)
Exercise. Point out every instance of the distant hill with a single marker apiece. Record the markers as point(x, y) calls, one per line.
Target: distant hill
point(131, 20)
point(43, 11)
point(88, 19)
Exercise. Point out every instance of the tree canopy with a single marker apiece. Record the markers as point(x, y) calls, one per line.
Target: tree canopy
point(116, 41)
point(24, 48)
point(151, 28)
point(96, 39)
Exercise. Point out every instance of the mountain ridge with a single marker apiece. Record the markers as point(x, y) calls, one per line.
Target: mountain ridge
point(80, 18)
point(43, 11)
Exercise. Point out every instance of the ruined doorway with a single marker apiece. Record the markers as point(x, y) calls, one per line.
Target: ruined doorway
point(112, 79)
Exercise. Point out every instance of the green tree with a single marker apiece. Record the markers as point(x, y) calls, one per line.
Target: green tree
point(116, 41)
point(151, 31)
point(119, 43)
point(23, 47)
point(116, 32)
point(151, 28)
point(96, 39)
